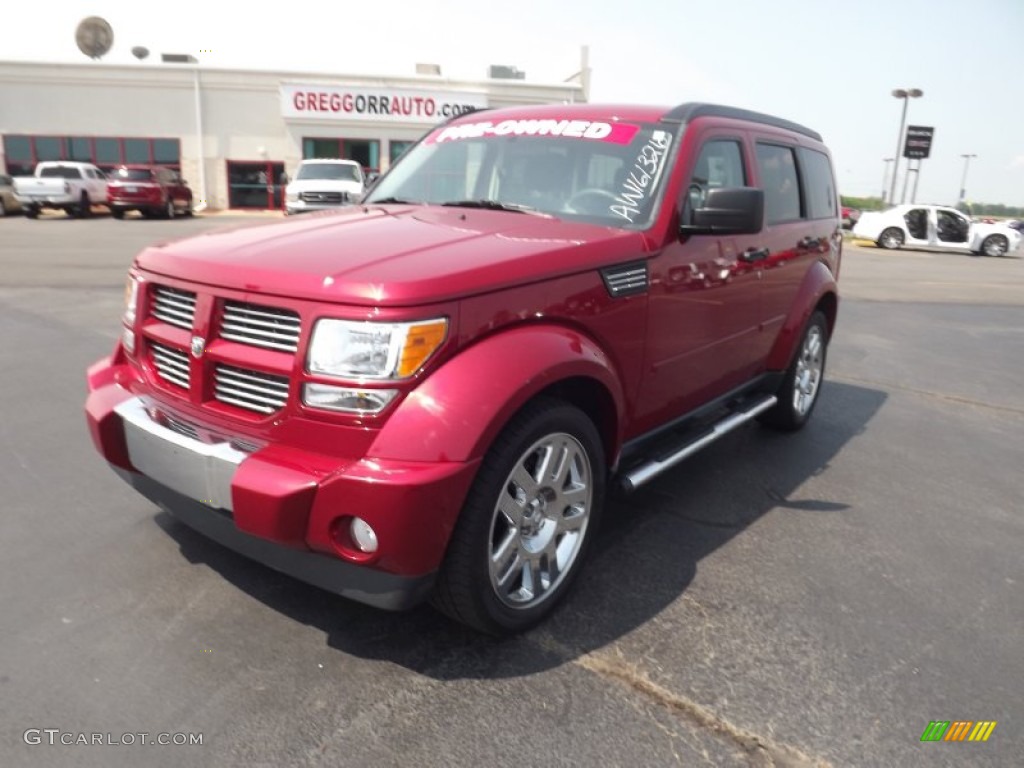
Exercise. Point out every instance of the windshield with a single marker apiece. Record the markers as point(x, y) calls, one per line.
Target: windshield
point(333, 171)
point(604, 173)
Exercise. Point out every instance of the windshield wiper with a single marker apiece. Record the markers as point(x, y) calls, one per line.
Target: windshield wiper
point(494, 205)
point(394, 200)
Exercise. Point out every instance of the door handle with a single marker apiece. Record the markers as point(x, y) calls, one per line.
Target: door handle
point(808, 243)
point(754, 254)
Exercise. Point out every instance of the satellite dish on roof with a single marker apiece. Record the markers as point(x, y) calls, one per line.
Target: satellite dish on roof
point(140, 52)
point(94, 37)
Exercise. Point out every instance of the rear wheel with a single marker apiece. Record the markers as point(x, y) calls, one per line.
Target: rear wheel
point(32, 212)
point(3, 210)
point(117, 213)
point(169, 209)
point(891, 238)
point(84, 206)
point(798, 393)
point(995, 245)
point(527, 522)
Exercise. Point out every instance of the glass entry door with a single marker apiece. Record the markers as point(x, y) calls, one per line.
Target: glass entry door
point(258, 185)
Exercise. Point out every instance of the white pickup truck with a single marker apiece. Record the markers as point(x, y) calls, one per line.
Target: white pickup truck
point(72, 187)
point(321, 184)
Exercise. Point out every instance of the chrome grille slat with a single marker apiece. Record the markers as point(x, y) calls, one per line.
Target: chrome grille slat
point(254, 391)
point(171, 364)
point(181, 427)
point(173, 306)
point(261, 326)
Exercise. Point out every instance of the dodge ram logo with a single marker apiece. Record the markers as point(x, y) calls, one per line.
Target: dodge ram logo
point(198, 344)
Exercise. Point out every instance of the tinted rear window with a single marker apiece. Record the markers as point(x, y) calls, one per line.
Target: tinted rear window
point(60, 172)
point(819, 185)
point(133, 174)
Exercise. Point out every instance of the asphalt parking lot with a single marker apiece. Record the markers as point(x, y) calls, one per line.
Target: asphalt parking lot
point(810, 599)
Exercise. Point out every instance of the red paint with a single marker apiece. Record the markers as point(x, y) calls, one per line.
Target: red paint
point(528, 311)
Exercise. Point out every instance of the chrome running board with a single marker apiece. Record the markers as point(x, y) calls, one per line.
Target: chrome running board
point(651, 468)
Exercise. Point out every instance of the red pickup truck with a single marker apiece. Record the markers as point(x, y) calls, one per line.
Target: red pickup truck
point(430, 394)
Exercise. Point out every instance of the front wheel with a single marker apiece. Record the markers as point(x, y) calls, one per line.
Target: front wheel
point(527, 522)
point(995, 245)
point(84, 206)
point(32, 212)
point(169, 209)
point(891, 239)
point(798, 393)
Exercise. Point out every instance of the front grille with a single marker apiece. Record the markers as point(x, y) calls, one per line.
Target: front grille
point(334, 198)
point(171, 364)
point(174, 306)
point(260, 326)
point(251, 390)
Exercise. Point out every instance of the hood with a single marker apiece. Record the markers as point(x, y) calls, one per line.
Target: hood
point(393, 255)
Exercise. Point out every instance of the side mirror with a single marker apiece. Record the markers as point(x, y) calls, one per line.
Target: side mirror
point(728, 211)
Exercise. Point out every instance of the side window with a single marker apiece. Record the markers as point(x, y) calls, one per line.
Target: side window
point(720, 164)
point(777, 165)
point(819, 185)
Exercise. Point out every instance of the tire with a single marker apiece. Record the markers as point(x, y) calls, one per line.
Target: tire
point(84, 209)
point(3, 209)
point(31, 212)
point(117, 213)
point(891, 239)
point(995, 245)
point(168, 211)
point(798, 393)
point(515, 551)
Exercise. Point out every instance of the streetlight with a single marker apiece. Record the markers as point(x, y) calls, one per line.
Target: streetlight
point(906, 94)
point(963, 180)
point(885, 175)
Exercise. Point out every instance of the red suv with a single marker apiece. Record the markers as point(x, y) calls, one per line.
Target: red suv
point(431, 393)
point(150, 189)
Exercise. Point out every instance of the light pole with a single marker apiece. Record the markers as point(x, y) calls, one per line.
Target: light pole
point(963, 180)
point(187, 58)
point(906, 94)
point(885, 176)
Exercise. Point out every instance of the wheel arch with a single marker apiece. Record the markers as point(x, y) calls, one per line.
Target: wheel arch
point(459, 409)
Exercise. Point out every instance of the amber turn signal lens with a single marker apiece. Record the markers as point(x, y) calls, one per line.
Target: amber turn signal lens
point(421, 342)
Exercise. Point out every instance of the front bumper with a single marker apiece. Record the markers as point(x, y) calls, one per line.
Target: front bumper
point(281, 505)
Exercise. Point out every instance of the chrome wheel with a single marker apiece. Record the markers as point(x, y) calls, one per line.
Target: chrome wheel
point(995, 245)
point(891, 238)
point(809, 366)
point(540, 520)
point(169, 211)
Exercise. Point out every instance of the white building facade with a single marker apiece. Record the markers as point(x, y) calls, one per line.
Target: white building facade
point(235, 135)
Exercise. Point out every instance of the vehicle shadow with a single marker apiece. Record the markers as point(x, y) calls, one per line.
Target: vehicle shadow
point(645, 557)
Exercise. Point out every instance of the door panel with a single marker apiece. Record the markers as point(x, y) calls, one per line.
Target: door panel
point(705, 299)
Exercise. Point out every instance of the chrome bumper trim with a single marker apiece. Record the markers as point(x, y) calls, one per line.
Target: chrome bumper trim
point(201, 471)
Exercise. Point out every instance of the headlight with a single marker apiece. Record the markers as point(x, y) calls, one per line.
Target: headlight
point(365, 350)
point(290, 195)
point(131, 300)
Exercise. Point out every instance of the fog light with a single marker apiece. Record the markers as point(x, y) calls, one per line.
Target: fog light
point(128, 340)
point(363, 535)
point(361, 401)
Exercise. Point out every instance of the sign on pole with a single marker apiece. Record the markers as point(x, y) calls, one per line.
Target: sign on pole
point(918, 143)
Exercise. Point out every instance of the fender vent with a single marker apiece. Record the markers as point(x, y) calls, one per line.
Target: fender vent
point(626, 279)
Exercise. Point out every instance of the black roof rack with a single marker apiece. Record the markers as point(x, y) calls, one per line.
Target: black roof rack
point(684, 113)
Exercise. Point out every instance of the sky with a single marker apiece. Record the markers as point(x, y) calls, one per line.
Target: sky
point(827, 64)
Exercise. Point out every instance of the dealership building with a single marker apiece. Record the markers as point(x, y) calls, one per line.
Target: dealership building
point(235, 135)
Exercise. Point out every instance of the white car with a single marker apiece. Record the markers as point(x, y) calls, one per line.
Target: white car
point(935, 226)
point(320, 184)
point(72, 187)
